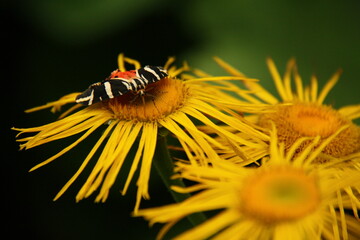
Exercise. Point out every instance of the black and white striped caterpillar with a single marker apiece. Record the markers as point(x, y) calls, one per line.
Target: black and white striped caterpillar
point(120, 83)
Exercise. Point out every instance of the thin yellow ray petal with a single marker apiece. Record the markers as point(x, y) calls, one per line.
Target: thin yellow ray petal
point(190, 189)
point(242, 228)
point(277, 79)
point(251, 155)
point(220, 91)
point(326, 233)
point(234, 88)
point(70, 110)
point(124, 145)
point(198, 115)
point(135, 163)
point(299, 85)
point(355, 116)
point(26, 130)
point(199, 145)
point(352, 112)
point(286, 231)
point(235, 123)
point(213, 95)
point(119, 155)
point(262, 93)
point(208, 79)
point(34, 109)
point(257, 88)
point(86, 161)
point(319, 149)
point(342, 215)
point(185, 76)
point(174, 128)
point(294, 147)
point(188, 152)
point(313, 88)
point(166, 228)
point(92, 129)
point(248, 97)
point(355, 202)
point(259, 91)
point(109, 148)
point(232, 112)
point(63, 128)
point(274, 150)
point(150, 132)
point(79, 116)
point(287, 79)
point(210, 226)
point(56, 105)
point(144, 176)
point(307, 94)
point(240, 153)
point(228, 67)
point(198, 73)
point(106, 161)
point(25, 139)
point(328, 86)
point(353, 226)
point(114, 164)
point(173, 72)
point(304, 155)
point(204, 201)
point(170, 61)
point(182, 119)
point(121, 62)
point(224, 168)
point(208, 200)
point(133, 62)
point(335, 225)
point(71, 129)
point(65, 131)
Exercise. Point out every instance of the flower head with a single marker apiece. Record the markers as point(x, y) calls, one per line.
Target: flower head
point(285, 198)
point(301, 112)
point(129, 120)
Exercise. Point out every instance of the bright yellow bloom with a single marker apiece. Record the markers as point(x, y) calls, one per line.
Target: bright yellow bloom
point(285, 198)
point(301, 112)
point(171, 103)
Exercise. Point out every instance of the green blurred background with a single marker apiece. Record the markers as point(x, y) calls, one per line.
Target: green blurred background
point(51, 48)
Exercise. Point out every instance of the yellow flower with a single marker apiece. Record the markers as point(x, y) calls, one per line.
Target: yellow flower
point(285, 198)
point(170, 103)
point(301, 112)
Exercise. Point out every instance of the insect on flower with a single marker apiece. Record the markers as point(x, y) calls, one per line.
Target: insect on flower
point(119, 83)
point(177, 104)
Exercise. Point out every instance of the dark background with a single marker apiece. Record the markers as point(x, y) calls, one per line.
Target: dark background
point(51, 48)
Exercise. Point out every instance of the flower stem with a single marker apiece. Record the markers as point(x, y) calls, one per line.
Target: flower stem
point(164, 165)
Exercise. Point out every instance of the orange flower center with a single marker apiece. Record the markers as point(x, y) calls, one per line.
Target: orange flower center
point(161, 99)
point(310, 120)
point(279, 194)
